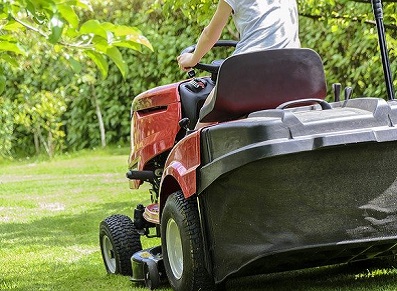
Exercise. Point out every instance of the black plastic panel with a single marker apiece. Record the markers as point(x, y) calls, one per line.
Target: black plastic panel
point(269, 133)
point(287, 189)
point(332, 201)
point(193, 101)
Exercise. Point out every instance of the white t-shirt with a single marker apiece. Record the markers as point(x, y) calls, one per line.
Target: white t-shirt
point(265, 24)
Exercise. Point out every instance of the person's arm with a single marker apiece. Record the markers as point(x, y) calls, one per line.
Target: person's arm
point(210, 35)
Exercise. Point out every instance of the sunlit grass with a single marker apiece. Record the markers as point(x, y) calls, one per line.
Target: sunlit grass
point(49, 217)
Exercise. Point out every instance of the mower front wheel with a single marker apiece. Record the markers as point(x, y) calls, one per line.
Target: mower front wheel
point(182, 244)
point(119, 240)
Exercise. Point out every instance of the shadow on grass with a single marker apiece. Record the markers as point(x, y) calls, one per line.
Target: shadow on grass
point(367, 275)
point(62, 231)
point(59, 252)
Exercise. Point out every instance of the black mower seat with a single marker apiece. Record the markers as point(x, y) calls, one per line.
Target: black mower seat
point(263, 80)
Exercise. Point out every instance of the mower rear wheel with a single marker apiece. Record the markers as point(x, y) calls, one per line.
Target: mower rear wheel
point(119, 240)
point(182, 245)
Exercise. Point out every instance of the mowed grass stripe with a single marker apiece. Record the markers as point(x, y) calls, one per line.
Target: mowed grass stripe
point(49, 217)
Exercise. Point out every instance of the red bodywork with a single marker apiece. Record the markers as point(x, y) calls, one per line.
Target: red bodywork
point(154, 126)
point(154, 129)
point(182, 164)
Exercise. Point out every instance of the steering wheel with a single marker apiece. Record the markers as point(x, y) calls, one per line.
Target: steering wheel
point(213, 67)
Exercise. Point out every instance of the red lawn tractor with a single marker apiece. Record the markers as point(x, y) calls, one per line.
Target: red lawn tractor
point(279, 179)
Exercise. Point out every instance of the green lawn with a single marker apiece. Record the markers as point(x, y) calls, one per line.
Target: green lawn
point(49, 217)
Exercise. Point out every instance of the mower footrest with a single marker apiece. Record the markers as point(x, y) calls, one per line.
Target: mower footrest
point(151, 213)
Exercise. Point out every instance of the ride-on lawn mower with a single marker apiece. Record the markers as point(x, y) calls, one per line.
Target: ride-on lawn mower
point(280, 180)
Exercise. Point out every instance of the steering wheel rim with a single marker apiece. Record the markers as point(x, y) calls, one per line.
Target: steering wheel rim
point(211, 68)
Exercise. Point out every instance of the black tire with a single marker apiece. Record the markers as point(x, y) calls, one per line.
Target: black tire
point(119, 240)
point(182, 245)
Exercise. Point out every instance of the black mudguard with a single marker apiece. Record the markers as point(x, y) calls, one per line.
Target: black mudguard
point(283, 190)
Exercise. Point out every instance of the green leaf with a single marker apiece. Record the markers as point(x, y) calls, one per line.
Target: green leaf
point(123, 30)
point(76, 66)
point(108, 26)
point(100, 61)
point(129, 34)
point(8, 37)
point(86, 4)
point(30, 7)
point(42, 5)
point(11, 47)
point(100, 44)
point(108, 34)
point(93, 27)
point(9, 60)
point(13, 26)
point(56, 29)
point(40, 10)
point(117, 58)
point(3, 15)
point(128, 44)
point(141, 40)
point(70, 32)
point(68, 13)
point(2, 83)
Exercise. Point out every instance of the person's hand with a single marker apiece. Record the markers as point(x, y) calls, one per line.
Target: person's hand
point(186, 61)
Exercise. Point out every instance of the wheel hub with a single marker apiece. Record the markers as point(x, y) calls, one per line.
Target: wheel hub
point(108, 252)
point(174, 248)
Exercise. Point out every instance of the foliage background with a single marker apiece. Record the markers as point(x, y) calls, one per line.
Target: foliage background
point(48, 108)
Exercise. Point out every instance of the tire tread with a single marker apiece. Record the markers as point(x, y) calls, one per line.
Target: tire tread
point(188, 209)
point(125, 239)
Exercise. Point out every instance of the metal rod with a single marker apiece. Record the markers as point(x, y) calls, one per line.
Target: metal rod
point(378, 13)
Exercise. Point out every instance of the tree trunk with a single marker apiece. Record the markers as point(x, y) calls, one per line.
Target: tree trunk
point(51, 145)
point(99, 116)
point(36, 142)
point(43, 141)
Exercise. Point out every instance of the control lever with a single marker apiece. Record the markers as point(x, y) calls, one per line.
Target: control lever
point(348, 92)
point(336, 88)
point(196, 85)
point(184, 123)
point(191, 73)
